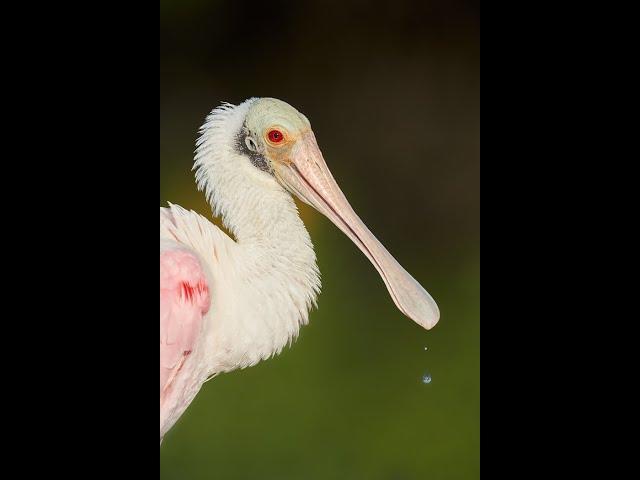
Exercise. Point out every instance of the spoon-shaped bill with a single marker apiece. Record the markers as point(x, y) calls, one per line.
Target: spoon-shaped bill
point(307, 176)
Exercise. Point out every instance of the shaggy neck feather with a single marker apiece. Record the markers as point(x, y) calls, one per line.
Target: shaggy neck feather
point(276, 252)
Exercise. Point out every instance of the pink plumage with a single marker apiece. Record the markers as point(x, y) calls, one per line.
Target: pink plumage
point(184, 300)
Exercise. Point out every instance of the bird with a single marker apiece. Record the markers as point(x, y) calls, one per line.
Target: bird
point(231, 300)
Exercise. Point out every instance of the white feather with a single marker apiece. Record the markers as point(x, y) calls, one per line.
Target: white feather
point(264, 282)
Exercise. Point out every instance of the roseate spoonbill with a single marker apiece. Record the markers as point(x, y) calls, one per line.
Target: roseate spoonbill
point(229, 303)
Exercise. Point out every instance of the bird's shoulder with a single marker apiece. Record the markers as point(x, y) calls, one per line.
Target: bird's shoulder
point(192, 230)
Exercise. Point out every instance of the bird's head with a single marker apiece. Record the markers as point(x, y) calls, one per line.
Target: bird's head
point(277, 140)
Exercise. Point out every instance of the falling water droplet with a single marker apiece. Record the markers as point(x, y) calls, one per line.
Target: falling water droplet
point(426, 348)
point(426, 378)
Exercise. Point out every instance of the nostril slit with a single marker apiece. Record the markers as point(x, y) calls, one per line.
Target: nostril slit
point(251, 145)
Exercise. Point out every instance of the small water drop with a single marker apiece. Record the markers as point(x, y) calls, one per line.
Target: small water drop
point(426, 348)
point(426, 378)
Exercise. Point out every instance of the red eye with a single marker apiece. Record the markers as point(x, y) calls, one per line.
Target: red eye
point(275, 136)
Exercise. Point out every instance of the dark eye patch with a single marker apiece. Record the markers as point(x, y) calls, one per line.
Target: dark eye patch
point(247, 146)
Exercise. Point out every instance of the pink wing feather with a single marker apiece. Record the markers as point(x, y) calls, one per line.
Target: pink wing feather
point(184, 300)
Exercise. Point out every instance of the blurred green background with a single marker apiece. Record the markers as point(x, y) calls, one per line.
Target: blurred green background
point(392, 92)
